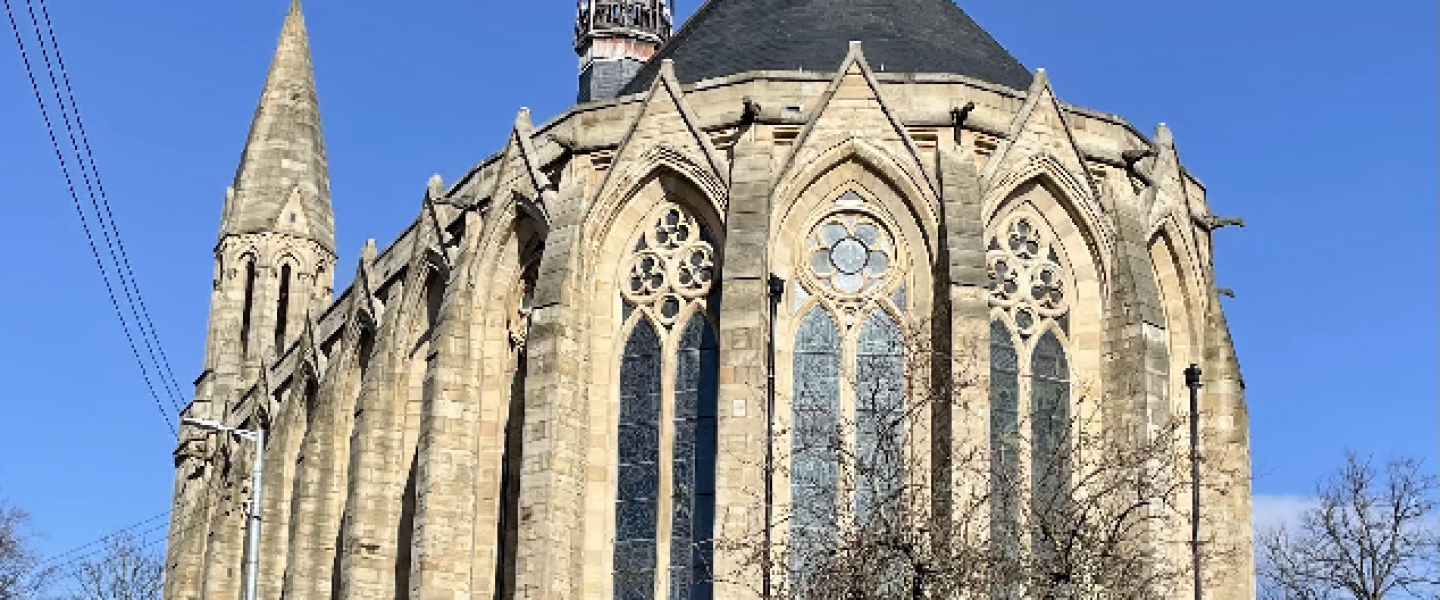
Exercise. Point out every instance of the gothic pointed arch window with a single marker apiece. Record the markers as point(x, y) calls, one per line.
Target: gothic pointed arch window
point(1049, 424)
point(670, 365)
point(814, 445)
point(1029, 290)
point(282, 309)
point(1004, 439)
point(848, 404)
point(247, 305)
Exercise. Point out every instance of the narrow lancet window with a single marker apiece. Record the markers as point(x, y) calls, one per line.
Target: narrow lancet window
point(693, 497)
point(639, 476)
point(247, 305)
point(815, 444)
point(282, 309)
point(1050, 426)
point(879, 416)
point(1005, 440)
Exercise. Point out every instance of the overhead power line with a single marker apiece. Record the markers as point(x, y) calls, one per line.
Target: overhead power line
point(96, 546)
point(120, 268)
point(137, 305)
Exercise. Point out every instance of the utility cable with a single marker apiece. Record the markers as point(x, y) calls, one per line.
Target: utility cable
point(63, 555)
point(84, 223)
point(127, 276)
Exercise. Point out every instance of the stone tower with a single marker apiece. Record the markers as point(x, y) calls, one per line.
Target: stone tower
point(273, 264)
point(614, 38)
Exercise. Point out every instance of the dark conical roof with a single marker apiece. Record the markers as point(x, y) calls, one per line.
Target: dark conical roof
point(905, 36)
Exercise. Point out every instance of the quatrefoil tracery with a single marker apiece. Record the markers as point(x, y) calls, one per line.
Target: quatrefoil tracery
point(672, 265)
point(1026, 277)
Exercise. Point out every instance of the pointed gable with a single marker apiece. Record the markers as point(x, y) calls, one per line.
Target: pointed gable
point(1168, 182)
point(1040, 132)
point(854, 108)
point(519, 169)
point(665, 124)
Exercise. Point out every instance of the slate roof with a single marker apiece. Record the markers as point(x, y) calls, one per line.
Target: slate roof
point(725, 37)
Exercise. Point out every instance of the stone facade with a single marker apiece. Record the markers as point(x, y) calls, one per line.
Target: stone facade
point(447, 427)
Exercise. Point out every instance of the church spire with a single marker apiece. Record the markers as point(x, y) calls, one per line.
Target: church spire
point(614, 38)
point(282, 184)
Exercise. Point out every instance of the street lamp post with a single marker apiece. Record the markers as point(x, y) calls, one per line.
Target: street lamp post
point(1192, 381)
point(257, 476)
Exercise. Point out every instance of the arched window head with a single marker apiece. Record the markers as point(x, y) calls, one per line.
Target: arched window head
point(671, 265)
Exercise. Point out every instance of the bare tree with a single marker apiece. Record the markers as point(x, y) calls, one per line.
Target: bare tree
point(128, 569)
point(1370, 535)
point(21, 575)
point(1096, 513)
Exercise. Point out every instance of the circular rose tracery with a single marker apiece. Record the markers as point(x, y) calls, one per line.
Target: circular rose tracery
point(850, 254)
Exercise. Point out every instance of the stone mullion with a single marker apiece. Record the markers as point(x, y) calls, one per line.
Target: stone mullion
point(743, 339)
point(550, 557)
point(378, 458)
point(963, 401)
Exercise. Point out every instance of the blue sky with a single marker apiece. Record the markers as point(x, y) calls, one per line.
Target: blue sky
point(1316, 122)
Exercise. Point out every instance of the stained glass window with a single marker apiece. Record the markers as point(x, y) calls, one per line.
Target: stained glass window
point(697, 369)
point(1004, 439)
point(879, 413)
point(814, 463)
point(639, 476)
point(1050, 424)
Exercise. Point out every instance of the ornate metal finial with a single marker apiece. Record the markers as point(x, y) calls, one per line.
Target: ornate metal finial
point(649, 20)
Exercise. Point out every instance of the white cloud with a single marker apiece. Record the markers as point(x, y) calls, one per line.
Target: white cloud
point(1272, 510)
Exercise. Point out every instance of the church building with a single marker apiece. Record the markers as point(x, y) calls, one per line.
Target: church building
point(661, 334)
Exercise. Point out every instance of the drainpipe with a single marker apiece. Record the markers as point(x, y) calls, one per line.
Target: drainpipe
point(1192, 381)
point(777, 289)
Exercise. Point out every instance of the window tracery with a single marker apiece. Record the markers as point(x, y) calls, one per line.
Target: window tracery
point(1028, 288)
point(667, 285)
point(672, 265)
point(1027, 280)
point(851, 277)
